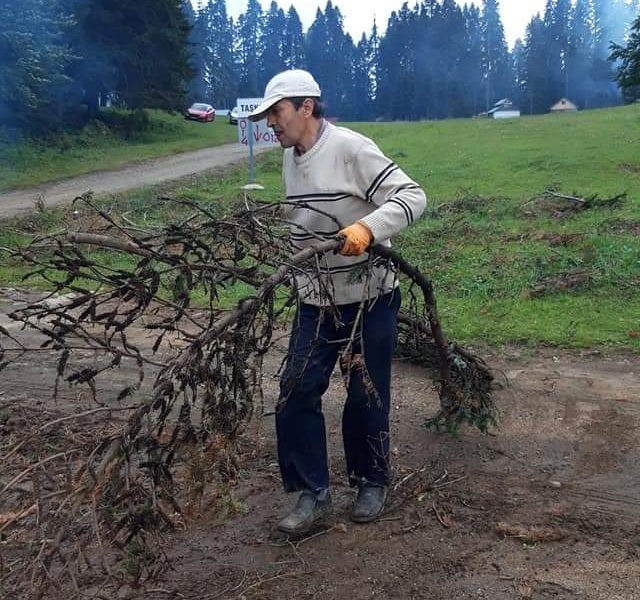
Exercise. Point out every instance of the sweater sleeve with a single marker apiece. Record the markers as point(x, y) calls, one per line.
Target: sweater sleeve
point(399, 199)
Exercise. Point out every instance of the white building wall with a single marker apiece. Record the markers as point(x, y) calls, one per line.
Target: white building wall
point(506, 114)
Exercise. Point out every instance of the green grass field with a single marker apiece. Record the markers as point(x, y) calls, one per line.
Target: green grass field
point(96, 148)
point(497, 255)
point(487, 242)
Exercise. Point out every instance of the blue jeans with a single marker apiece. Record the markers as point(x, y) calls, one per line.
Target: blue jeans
point(317, 339)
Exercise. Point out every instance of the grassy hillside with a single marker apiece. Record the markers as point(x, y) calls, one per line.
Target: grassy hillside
point(97, 148)
point(508, 264)
point(593, 152)
point(498, 254)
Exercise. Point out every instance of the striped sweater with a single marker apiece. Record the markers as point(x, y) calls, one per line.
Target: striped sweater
point(344, 178)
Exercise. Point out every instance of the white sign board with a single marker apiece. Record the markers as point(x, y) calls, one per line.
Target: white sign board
point(247, 105)
point(259, 134)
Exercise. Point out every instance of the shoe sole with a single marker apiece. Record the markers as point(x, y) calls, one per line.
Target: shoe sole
point(320, 520)
point(367, 519)
point(299, 531)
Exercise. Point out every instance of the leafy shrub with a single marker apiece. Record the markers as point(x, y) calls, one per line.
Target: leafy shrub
point(125, 123)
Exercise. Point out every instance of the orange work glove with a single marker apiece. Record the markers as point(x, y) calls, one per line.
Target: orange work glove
point(358, 237)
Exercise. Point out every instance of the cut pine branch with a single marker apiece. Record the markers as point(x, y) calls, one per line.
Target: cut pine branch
point(465, 380)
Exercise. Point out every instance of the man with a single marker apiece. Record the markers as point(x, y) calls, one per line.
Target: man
point(338, 183)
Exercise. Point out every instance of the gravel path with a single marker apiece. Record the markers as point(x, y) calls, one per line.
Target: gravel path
point(147, 172)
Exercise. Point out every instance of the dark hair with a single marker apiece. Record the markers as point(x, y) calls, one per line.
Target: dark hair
point(318, 105)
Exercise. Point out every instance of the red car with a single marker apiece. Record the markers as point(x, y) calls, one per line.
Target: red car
point(200, 112)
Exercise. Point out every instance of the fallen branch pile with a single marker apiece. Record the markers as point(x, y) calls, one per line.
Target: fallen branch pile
point(206, 365)
point(560, 283)
point(560, 205)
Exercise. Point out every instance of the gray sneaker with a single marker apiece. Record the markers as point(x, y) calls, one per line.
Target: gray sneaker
point(369, 503)
point(310, 509)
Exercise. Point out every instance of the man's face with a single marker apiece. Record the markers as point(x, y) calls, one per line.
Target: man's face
point(288, 123)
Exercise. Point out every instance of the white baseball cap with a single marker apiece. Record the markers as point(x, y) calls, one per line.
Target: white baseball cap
point(288, 84)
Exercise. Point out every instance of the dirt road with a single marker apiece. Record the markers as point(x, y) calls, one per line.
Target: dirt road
point(138, 174)
point(546, 507)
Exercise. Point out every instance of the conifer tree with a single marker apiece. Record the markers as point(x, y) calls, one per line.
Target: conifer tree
point(495, 55)
point(136, 51)
point(221, 67)
point(249, 47)
point(329, 56)
point(200, 55)
point(450, 31)
point(558, 35)
point(33, 62)
point(397, 64)
point(273, 34)
point(361, 91)
point(194, 44)
point(535, 71)
point(628, 72)
point(581, 51)
point(373, 60)
point(471, 72)
point(519, 57)
point(293, 49)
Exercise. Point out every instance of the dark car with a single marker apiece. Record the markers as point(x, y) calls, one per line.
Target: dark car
point(200, 112)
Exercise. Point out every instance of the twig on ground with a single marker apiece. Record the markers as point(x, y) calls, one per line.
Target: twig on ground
point(439, 516)
point(565, 197)
point(415, 526)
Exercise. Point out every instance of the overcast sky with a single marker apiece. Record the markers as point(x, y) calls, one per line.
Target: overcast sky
point(358, 15)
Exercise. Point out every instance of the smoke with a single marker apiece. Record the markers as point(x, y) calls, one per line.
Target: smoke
point(612, 21)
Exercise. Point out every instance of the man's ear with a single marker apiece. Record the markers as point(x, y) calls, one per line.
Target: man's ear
point(308, 106)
